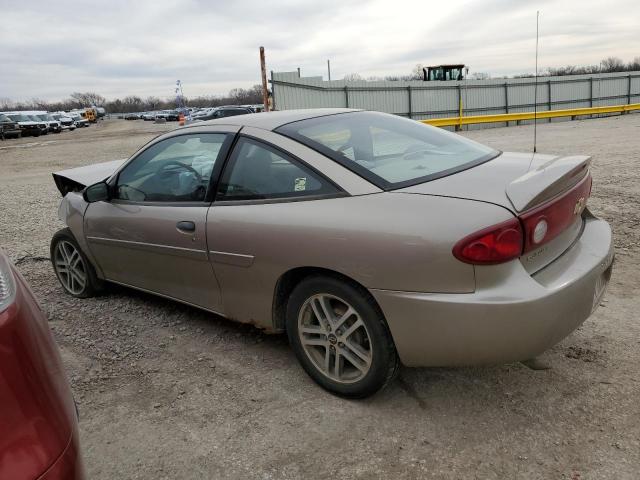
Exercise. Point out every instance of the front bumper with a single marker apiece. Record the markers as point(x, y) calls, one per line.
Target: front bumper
point(30, 130)
point(11, 132)
point(511, 316)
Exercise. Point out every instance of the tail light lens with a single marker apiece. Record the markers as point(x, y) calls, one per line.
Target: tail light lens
point(496, 244)
point(7, 283)
point(544, 223)
point(532, 229)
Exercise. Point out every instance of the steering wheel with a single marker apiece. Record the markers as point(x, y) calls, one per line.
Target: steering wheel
point(172, 182)
point(175, 163)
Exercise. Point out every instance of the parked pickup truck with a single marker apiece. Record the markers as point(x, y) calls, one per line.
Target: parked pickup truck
point(9, 128)
point(26, 124)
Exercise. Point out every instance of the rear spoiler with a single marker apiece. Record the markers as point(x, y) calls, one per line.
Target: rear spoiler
point(76, 179)
point(547, 180)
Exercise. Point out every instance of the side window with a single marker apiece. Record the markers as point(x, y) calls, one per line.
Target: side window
point(174, 170)
point(257, 171)
point(234, 112)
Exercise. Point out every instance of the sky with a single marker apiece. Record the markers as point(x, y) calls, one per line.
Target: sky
point(49, 49)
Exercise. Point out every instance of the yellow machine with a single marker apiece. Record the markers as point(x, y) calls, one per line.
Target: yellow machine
point(443, 72)
point(90, 114)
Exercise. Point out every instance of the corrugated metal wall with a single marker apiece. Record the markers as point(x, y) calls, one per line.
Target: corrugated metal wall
point(420, 100)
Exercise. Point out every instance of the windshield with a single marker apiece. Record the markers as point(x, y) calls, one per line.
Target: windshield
point(4, 118)
point(19, 118)
point(389, 151)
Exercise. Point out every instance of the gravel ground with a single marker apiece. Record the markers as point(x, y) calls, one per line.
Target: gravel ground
point(166, 391)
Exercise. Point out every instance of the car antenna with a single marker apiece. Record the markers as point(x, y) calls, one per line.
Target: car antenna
point(535, 93)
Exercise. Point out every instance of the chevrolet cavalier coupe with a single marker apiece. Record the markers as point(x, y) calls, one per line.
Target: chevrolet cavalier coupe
point(371, 240)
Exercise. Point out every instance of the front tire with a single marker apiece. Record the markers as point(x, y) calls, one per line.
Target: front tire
point(340, 337)
point(73, 269)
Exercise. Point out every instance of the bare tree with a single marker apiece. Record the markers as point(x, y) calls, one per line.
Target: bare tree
point(417, 73)
point(88, 99)
point(7, 104)
point(152, 103)
point(352, 77)
point(244, 96)
point(612, 64)
point(634, 64)
point(607, 65)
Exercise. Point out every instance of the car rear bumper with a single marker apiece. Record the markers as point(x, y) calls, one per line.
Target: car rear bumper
point(511, 316)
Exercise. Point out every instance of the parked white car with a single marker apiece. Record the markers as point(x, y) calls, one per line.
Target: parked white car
point(78, 119)
point(66, 122)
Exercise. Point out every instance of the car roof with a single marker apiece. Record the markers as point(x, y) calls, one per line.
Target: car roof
point(273, 120)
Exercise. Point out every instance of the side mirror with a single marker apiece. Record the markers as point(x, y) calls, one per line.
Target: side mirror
point(98, 192)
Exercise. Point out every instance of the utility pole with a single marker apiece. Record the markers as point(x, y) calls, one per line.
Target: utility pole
point(329, 69)
point(265, 91)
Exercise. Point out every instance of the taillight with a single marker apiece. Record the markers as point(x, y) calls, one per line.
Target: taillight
point(496, 244)
point(7, 283)
point(546, 222)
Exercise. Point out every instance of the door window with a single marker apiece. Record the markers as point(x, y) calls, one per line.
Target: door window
point(258, 171)
point(232, 112)
point(173, 170)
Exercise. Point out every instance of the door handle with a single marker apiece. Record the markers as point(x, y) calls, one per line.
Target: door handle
point(186, 226)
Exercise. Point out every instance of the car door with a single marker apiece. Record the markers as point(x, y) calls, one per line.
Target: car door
point(261, 196)
point(151, 235)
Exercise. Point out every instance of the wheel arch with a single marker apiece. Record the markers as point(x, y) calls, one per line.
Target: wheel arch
point(291, 278)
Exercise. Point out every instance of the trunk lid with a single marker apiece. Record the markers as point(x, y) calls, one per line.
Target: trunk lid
point(516, 181)
point(533, 187)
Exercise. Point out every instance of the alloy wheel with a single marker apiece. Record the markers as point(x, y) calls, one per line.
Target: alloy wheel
point(335, 338)
point(70, 267)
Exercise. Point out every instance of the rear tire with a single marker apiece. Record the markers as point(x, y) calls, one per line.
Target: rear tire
point(340, 337)
point(72, 267)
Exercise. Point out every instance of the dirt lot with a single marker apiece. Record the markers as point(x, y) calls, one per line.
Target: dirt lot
point(167, 391)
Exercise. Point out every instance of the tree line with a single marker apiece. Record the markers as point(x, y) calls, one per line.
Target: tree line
point(134, 103)
point(253, 95)
point(607, 65)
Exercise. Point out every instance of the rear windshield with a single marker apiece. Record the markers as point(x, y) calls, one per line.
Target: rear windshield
point(389, 151)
